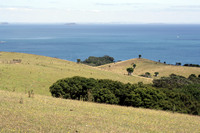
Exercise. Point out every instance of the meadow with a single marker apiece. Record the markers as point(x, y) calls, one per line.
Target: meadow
point(43, 113)
point(38, 73)
point(19, 113)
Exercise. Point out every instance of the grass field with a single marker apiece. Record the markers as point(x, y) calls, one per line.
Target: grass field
point(39, 72)
point(144, 65)
point(47, 114)
point(19, 113)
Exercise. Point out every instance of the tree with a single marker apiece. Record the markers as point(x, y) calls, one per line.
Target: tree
point(140, 56)
point(156, 74)
point(148, 75)
point(78, 60)
point(134, 65)
point(129, 70)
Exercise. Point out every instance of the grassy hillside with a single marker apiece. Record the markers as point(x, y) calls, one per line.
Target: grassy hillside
point(47, 114)
point(39, 72)
point(144, 65)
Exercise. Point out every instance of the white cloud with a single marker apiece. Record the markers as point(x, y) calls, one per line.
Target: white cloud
point(186, 7)
point(147, 11)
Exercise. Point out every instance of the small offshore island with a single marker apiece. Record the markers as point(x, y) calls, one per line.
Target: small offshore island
point(4, 23)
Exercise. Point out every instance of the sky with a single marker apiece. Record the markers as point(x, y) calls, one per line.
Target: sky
point(100, 11)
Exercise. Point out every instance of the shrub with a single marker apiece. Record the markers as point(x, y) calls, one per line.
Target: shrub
point(73, 88)
point(147, 75)
point(156, 74)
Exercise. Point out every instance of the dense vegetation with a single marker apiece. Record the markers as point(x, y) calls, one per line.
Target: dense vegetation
point(97, 61)
point(192, 65)
point(174, 93)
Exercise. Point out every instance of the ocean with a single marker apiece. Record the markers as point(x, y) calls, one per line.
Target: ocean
point(170, 43)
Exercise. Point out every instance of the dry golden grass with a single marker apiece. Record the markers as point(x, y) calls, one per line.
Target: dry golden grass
point(144, 65)
point(47, 114)
point(39, 72)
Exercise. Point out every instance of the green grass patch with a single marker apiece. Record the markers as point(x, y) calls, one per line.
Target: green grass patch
point(47, 114)
point(38, 73)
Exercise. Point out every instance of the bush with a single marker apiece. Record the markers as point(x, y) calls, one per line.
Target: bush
point(73, 88)
point(147, 75)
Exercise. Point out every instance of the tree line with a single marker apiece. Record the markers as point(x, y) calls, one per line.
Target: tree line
point(173, 93)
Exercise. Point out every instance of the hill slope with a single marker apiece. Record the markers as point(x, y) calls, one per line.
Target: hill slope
point(47, 114)
point(37, 73)
point(144, 65)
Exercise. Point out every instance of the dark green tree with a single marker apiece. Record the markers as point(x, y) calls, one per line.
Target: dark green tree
point(134, 66)
point(78, 61)
point(156, 74)
point(140, 56)
point(148, 75)
point(129, 70)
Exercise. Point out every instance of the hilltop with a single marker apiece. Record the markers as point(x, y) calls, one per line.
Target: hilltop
point(145, 65)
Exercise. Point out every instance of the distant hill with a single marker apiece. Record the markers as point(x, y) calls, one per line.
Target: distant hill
point(22, 72)
point(145, 65)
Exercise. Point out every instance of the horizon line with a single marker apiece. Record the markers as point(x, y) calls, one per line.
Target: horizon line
point(74, 23)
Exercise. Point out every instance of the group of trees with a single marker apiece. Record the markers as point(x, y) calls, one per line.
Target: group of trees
point(181, 95)
point(176, 81)
point(97, 61)
point(148, 74)
point(188, 65)
point(192, 65)
point(130, 70)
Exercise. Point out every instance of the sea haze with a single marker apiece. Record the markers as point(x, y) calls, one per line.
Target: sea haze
point(170, 43)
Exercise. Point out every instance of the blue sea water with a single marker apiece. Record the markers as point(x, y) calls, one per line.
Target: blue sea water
point(170, 43)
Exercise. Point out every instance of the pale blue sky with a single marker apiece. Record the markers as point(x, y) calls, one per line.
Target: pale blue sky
point(100, 11)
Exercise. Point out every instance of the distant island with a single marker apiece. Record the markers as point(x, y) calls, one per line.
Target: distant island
point(4, 23)
point(2, 42)
point(70, 23)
